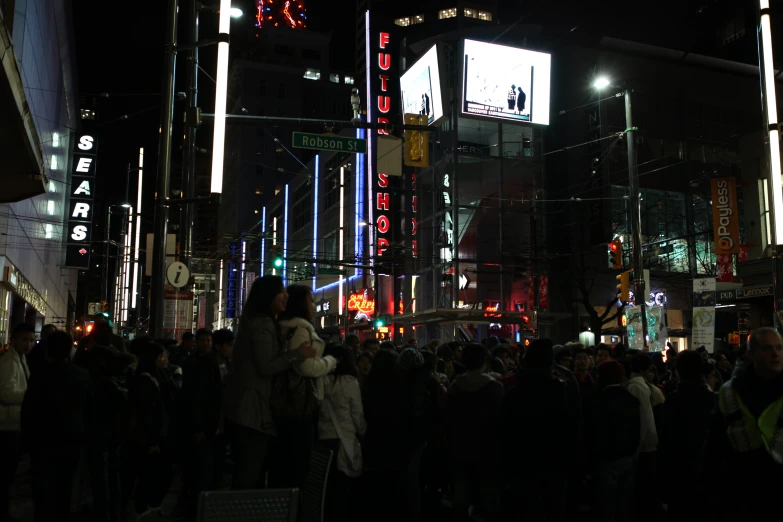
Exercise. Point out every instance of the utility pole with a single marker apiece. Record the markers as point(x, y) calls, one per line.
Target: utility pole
point(189, 152)
point(636, 217)
point(161, 223)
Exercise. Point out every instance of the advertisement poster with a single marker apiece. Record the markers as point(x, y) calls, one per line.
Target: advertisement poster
point(703, 331)
point(177, 314)
point(506, 82)
point(420, 86)
point(657, 329)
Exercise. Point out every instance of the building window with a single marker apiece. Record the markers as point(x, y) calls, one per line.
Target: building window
point(259, 191)
point(447, 13)
point(312, 74)
point(334, 78)
point(281, 91)
point(409, 20)
point(481, 15)
point(88, 114)
point(348, 80)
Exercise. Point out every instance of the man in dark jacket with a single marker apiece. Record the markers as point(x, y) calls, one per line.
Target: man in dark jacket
point(179, 355)
point(57, 414)
point(473, 416)
point(686, 419)
point(538, 420)
point(615, 439)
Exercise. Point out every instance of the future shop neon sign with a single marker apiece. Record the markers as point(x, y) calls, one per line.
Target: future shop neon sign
point(382, 195)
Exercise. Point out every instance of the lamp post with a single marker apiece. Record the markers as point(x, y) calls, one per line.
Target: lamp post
point(635, 211)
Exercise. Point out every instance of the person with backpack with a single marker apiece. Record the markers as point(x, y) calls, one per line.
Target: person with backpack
point(260, 356)
point(296, 422)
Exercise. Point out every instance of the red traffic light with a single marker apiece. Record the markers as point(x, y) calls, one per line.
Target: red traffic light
point(613, 246)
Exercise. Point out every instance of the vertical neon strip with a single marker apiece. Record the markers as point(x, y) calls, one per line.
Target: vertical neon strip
point(315, 215)
point(126, 277)
point(359, 200)
point(370, 135)
point(341, 241)
point(137, 241)
point(285, 238)
point(263, 242)
point(772, 120)
point(243, 285)
point(221, 93)
point(220, 296)
point(274, 241)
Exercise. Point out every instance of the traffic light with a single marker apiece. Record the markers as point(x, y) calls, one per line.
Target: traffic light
point(417, 143)
point(624, 286)
point(379, 323)
point(616, 254)
point(277, 259)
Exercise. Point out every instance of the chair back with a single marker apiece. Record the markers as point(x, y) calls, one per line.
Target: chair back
point(258, 505)
point(314, 492)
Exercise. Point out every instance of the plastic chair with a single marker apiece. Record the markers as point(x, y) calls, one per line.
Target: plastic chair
point(314, 492)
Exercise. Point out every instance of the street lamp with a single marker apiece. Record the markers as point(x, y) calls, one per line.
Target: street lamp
point(236, 12)
point(635, 207)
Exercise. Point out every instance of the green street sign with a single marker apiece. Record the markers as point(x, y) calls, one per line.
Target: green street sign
point(304, 140)
point(327, 270)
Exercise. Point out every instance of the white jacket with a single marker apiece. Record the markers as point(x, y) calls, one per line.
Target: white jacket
point(346, 398)
point(317, 366)
point(638, 387)
point(14, 375)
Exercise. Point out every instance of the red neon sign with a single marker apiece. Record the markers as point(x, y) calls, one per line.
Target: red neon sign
point(357, 303)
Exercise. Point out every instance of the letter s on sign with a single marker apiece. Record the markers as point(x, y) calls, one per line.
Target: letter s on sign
point(86, 143)
point(79, 233)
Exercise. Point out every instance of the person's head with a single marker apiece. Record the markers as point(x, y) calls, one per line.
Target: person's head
point(445, 352)
point(496, 366)
point(502, 352)
point(433, 345)
point(581, 360)
point(371, 345)
point(413, 343)
point(188, 341)
point(457, 348)
point(490, 343)
point(135, 346)
point(353, 342)
point(688, 366)
point(765, 351)
point(47, 330)
point(610, 373)
point(58, 346)
point(701, 350)
point(722, 362)
point(223, 341)
point(346, 365)
point(446, 367)
point(540, 356)
point(411, 359)
point(267, 298)
point(101, 335)
point(23, 338)
point(602, 353)
point(152, 357)
point(619, 351)
point(564, 357)
point(388, 346)
point(203, 340)
point(641, 364)
point(300, 303)
point(474, 357)
point(364, 363)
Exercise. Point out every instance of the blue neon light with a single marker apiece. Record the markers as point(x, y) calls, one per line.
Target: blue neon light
point(331, 285)
point(358, 245)
point(315, 214)
point(263, 242)
point(285, 238)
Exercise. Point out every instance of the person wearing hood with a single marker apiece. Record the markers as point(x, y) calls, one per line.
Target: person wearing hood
point(646, 499)
point(473, 415)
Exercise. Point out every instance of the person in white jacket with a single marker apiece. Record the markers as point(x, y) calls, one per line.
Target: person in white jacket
point(646, 500)
point(14, 375)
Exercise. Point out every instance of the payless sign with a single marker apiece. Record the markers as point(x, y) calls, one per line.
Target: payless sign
point(82, 201)
point(725, 216)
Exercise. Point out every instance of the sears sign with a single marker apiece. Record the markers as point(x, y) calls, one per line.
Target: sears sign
point(80, 208)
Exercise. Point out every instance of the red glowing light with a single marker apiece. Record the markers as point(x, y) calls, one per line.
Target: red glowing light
point(288, 15)
point(357, 302)
point(613, 247)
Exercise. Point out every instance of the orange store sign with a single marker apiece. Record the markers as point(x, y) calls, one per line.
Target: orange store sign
point(357, 302)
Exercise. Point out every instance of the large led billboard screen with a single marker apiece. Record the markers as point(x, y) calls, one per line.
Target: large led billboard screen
point(420, 86)
point(505, 82)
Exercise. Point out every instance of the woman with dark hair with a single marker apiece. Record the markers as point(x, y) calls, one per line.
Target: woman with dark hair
point(259, 356)
point(148, 398)
point(364, 366)
point(340, 424)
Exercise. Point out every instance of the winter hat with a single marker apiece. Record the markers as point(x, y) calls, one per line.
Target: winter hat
point(410, 358)
point(610, 372)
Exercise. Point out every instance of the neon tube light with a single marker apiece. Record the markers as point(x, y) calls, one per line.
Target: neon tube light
point(274, 241)
point(285, 238)
point(315, 216)
point(138, 231)
point(220, 296)
point(368, 53)
point(242, 285)
point(221, 93)
point(341, 241)
point(263, 241)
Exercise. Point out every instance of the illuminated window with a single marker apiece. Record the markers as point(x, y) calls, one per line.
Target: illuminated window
point(259, 191)
point(53, 164)
point(312, 74)
point(447, 13)
point(403, 22)
point(481, 15)
point(334, 78)
point(417, 19)
point(348, 80)
point(55, 139)
point(87, 114)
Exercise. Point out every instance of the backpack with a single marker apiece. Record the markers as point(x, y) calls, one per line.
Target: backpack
point(294, 398)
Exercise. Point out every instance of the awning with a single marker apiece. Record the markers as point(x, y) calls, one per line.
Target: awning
point(20, 145)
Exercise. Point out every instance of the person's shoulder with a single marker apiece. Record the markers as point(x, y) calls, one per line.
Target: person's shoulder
point(297, 322)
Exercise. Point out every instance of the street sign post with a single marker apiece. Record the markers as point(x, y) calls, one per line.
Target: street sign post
point(303, 140)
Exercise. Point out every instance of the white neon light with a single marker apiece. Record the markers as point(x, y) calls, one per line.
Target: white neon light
point(341, 242)
point(765, 190)
point(315, 215)
point(126, 269)
point(242, 280)
point(137, 241)
point(274, 241)
point(220, 296)
point(221, 93)
point(263, 241)
point(772, 119)
point(285, 238)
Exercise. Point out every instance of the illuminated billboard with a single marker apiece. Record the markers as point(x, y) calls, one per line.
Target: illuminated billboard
point(505, 82)
point(420, 87)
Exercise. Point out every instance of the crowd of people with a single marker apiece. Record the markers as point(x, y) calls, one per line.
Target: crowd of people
point(455, 431)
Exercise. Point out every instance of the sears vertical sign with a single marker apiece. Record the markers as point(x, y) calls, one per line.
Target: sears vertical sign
point(82, 201)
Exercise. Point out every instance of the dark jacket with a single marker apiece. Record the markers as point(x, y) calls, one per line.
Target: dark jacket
point(149, 410)
point(539, 423)
point(473, 417)
point(683, 432)
point(201, 396)
point(616, 424)
point(58, 409)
